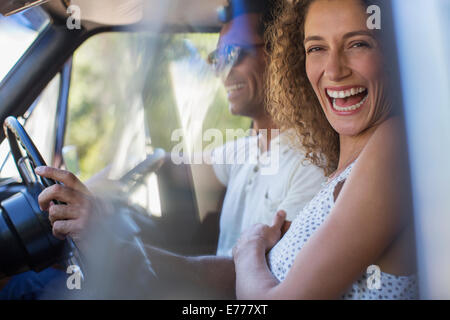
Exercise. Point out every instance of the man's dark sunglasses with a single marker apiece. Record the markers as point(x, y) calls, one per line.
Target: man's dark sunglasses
point(231, 55)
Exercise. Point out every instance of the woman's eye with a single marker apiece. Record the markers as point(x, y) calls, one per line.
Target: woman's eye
point(359, 45)
point(314, 49)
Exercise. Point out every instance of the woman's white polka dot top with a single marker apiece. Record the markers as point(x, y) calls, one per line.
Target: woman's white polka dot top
point(374, 285)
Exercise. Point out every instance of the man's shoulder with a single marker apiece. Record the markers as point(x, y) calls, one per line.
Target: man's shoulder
point(293, 157)
point(290, 147)
point(237, 146)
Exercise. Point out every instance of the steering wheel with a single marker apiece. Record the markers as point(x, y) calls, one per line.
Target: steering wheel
point(26, 239)
point(135, 176)
point(27, 242)
point(121, 188)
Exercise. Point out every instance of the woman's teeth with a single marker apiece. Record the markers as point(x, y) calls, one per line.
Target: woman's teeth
point(350, 108)
point(344, 94)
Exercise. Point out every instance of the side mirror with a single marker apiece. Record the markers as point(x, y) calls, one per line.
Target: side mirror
point(70, 157)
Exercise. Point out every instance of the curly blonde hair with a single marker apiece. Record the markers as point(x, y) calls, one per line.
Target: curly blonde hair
point(290, 98)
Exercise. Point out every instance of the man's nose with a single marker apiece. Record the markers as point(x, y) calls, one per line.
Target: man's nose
point(336, 67)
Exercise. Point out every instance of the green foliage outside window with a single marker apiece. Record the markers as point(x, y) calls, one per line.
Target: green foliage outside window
point(108, 69)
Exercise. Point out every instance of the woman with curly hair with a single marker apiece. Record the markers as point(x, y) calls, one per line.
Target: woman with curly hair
point(355, 239)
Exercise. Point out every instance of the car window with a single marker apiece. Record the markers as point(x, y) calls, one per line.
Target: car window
point(133, 92)
point(17, 33)
point(39, 122)
point(104, 71)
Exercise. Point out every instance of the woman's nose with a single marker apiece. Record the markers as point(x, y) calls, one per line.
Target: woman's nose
point(336, 67)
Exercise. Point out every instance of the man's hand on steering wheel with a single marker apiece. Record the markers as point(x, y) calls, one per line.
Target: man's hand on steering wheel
point(69, 218)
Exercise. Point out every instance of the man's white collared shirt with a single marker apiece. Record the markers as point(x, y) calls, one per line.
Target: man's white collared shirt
point(260, 185)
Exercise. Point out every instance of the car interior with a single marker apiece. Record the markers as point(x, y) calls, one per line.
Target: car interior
point(43, 91)
point(99, 87)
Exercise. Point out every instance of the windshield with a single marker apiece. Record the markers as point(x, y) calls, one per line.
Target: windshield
point(17, 33)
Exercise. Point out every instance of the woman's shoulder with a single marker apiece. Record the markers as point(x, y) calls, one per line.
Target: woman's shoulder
point(379, 179)
point(387, 142)
point(384, 156)
point(390, 131)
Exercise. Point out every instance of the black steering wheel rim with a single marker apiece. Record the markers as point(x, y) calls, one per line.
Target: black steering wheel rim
point(16, 134)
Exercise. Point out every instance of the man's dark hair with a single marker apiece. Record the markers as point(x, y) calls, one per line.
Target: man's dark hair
point(267, 9)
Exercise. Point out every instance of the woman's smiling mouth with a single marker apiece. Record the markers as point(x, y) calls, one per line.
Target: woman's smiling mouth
point(347, 100)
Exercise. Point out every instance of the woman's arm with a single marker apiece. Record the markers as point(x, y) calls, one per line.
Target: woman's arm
point(373, 206)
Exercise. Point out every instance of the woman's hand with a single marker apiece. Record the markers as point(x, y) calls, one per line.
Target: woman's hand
point(261, 236)
point(70, 218)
